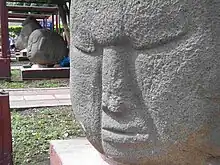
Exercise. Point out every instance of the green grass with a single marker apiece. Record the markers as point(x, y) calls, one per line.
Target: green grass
point(16, 75)
point(33, 129)
point(17, 83)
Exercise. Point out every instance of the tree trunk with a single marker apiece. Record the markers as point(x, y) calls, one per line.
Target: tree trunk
point(63, 16)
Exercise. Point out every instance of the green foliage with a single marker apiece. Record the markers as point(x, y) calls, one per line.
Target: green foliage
point(14, 30)
point(33, 129)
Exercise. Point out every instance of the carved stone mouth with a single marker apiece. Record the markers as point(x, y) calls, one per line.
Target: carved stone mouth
point(118, 131)
point(119, 136)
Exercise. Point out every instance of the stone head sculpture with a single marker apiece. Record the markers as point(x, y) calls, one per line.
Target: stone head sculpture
point(145, 82)
point(46, 47)
point(28, 26)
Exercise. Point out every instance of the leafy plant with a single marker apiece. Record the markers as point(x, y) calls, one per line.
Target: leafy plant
point(14, 30)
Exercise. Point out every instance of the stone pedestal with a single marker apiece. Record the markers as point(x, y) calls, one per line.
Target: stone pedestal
point(74, 152)
point(44, 73)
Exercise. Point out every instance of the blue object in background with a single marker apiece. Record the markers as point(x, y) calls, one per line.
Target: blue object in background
point(65, 62)
point(48, 26)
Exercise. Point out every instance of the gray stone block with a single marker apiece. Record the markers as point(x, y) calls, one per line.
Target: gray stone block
point(74, 152)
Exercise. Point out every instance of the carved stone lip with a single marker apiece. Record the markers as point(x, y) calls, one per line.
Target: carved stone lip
point(121, 131)
point(119, 136)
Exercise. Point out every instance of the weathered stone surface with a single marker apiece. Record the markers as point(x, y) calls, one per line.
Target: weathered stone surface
point(29, 25)
point(145, 79)
point(46, 47)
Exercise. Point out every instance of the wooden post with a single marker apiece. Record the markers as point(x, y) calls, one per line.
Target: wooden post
point(52, 22)
point(4, 28)
point(5, 69)
point(57, 26)
point(5, 131)
point(46, 23)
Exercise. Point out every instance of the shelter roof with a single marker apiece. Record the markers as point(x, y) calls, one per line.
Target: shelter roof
point(39, 12)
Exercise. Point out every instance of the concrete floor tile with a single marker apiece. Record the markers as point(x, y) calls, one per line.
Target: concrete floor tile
point(39, 97)
point(16, 98)
point(18, 104)
point(65, 102)
point(64, 96)
point(29, 98)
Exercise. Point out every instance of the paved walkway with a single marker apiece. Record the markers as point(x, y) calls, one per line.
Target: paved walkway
point(38, 97)
point(16, 67)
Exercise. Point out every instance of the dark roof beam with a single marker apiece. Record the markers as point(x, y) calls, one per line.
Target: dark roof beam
point(18, 20)
point(33, 8)
point(15, 20)
point(22, 15)
point(30, 1)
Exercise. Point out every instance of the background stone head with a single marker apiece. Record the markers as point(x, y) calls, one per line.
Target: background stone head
point(46, 47)
point(28, 26)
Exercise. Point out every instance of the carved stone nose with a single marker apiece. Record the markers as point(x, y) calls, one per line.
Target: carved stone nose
point(116, 80)
point(113, 104)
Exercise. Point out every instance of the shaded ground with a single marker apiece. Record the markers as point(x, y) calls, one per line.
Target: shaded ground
point(32, 130)
point(17, 83)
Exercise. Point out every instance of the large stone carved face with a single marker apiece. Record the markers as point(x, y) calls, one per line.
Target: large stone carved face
point(145, 80)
